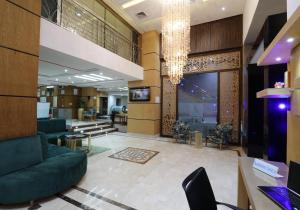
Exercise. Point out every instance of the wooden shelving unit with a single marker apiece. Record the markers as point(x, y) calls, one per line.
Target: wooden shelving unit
point(274, 93)
point(280, 47)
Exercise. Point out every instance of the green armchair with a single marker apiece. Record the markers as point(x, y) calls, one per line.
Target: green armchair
point(220, 135)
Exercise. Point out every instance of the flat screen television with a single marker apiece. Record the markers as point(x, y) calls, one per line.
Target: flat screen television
point(139, 94)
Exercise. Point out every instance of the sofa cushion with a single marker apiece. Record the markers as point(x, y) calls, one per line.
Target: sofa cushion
point(55, 174)
point(19, 153)
point(52, 126)
point(44, 142)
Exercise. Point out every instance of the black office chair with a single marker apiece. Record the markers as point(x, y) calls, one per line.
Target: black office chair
point(199, 193)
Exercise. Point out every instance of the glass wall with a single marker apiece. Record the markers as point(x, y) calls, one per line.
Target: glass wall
point(198, 101)
point(91, 20)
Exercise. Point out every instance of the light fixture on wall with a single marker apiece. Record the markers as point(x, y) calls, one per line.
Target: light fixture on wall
point(176, 36)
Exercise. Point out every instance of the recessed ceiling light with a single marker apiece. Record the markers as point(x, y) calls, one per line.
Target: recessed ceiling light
point(290, 40)
point(56, 79)
point(131, 3)
point(278, 59)
point(78, 14)
point(66, 70)
point(72, 82)
point(101, 73)
point(223, 8)
point(204, 0)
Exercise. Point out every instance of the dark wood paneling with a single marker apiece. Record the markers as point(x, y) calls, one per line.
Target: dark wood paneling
point(33, 6)
point(18, 117)
point(200, 38)
point(217, 35)
point(226, 33)
point(20, 29)
point(18, 73)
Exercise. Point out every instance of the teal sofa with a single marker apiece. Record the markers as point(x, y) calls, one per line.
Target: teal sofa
point(32, 169)
point(54, 129)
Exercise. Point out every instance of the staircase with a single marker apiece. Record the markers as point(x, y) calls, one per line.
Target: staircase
point(95, 129)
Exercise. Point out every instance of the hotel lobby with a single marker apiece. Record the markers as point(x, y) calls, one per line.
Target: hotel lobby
point(150, 104)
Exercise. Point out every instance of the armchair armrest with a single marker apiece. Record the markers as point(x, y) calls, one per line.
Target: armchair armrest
point(229, 206)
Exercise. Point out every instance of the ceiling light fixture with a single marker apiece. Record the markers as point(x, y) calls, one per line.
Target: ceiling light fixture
point(290, 40)
point(81, 77)
point(101, 77)
point(223, 8)
point(91, 77)
point(131, 3)
point(66, 70)
point(56, 80)
point(176, 24)
point(278, 59)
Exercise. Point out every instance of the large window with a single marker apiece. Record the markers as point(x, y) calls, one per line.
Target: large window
point(198, 101)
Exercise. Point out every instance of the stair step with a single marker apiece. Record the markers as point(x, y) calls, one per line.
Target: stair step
point(101, 132)
point(92, 128)
point(89, 124)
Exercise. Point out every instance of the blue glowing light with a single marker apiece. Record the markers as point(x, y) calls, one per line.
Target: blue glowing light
point(282, 106)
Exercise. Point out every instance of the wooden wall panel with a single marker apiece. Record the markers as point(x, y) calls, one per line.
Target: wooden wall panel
point(226, 33)
point(33, 6)
point(19, 73)
point(19, 51)
point(229, 101)
point(149, 127)
point(200, 38)
point(217, 35)
point(146, 111)
point(20, 29)
point(18, 117)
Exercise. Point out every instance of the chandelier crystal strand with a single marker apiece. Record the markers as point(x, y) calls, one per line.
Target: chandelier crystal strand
point(176, 37)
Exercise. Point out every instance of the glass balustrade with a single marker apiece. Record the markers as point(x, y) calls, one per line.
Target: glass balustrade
point(91, 20)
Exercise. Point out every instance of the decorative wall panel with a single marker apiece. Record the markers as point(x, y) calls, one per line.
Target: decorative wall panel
point(229, 101)
point(229, 89)
point(216, 62)
point(169, 103)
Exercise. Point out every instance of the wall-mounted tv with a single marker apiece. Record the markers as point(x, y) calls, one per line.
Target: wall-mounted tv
point(139, 94)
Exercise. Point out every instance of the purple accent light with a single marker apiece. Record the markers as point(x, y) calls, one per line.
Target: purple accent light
point(282, 106)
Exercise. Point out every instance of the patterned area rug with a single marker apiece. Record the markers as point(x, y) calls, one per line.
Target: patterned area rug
point(135, 155)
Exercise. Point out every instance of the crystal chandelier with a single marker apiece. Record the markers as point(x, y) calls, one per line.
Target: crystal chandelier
point(176, 36)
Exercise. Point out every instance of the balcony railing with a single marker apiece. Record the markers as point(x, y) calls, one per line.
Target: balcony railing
point(75, 18)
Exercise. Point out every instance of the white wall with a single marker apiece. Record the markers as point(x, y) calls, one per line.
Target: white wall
point(249, 11)
point(292, 5)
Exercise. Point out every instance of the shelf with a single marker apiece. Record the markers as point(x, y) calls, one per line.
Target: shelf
point(279, 47)
point(274, 93)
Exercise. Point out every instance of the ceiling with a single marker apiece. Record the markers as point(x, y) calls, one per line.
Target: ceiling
point(201, 11)
point(60, 69)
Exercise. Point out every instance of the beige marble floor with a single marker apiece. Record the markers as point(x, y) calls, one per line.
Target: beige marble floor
point(155, 185)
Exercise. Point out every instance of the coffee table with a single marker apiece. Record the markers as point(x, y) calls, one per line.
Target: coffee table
point(74, 142)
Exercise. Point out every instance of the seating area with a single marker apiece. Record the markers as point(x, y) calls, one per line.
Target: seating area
point(54, 129)
point(149, 104)
point(32, 169)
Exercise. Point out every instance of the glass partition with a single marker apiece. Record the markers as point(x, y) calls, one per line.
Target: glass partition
point(198, 101)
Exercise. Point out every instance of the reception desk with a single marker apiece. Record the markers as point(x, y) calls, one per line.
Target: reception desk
point(248, 180)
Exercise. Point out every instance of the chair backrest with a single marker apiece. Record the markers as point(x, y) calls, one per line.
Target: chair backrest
point(198, 191)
